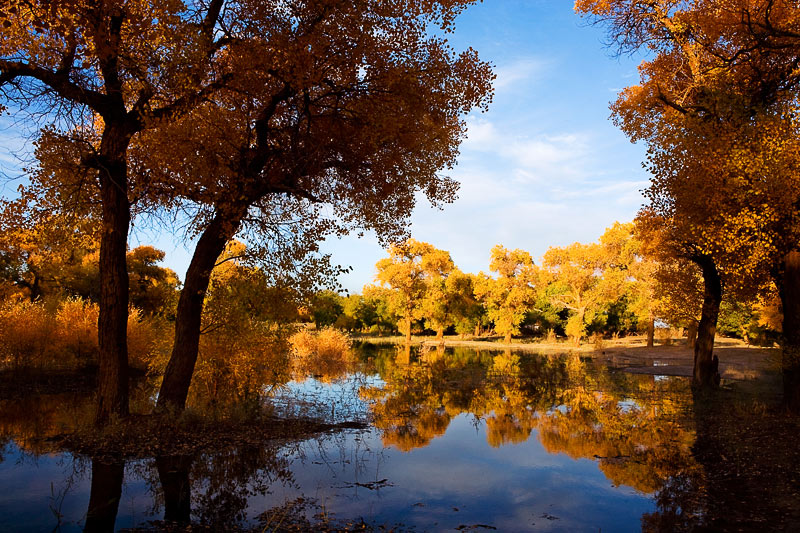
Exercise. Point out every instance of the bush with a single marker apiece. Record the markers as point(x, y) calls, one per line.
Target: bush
point(236, 368)
point(149, 339)
point(76, 325)
point(27, 335)
point(33, 336)
point(326, 353)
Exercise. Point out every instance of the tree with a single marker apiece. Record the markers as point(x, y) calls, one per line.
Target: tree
point(374, 309)
point(350, 106)
point(153, 289)
point(716, 106)
point(326, 308)
point(464, 308)
point(409, 271)
point(447, 293)
point(633, 273)
point(508, 296)
point(135, 65)
point(577, 272)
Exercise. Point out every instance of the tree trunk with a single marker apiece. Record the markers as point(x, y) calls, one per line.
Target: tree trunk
point(691, 335)
point(104, 496)
point(651, 331)
point(113, 320)
point(440, 335)
point(706, 364)
point(790, 357)
point(173, 472)
point(408, 329)
point(507, 338)
point(178, 374)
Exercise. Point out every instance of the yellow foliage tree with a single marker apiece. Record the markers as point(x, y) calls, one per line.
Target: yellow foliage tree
point(509, 295)
point(411, 270)
point(716, 106)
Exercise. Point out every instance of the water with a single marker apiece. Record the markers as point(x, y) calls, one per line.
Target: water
point(456, 440)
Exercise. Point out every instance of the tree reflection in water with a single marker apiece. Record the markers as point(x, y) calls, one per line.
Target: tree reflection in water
point(698, 460)
point(638, 428)
point(105, 495)
point(211, 490)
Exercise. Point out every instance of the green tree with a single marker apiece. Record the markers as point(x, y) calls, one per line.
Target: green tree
point(326, 308)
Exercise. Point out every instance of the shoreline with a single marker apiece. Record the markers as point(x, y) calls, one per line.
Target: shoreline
point(738, 360)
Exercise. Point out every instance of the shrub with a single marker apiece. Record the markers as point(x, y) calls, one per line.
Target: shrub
point(236, 368)
point(149, 339)
point(33, 336)
point(76, 327)
point(27, 335)
point(326, 353)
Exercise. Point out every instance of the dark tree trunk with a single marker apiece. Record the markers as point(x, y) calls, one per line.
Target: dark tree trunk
point(651, 331)
point(173, 472)
point(104, 496)
point(113, 320)
point(178, 374)
point(790, 357)
point(408, 328)
point(706, 364)
point(691, 334)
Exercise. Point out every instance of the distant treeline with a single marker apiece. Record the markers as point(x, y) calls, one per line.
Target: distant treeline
point(615, 286)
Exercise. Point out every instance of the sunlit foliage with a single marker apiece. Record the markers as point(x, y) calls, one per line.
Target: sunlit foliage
point(509, 294)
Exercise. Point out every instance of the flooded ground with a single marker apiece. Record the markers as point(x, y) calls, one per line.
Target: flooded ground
point(455, 440)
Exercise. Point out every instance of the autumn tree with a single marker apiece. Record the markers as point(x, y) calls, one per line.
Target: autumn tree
point(508, 296)
point(715, 105)
point(574, 270)
point(409, 271)
point(465, 310)
point(373, 309)
point(629, 275)
point(134, 64)
point(447, 296)
point(344, 113)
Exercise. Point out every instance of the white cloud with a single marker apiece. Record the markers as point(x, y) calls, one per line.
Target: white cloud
point(511, 75)
point(530, 159)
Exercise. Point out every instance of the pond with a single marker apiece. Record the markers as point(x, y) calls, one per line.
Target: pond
point(455, 439)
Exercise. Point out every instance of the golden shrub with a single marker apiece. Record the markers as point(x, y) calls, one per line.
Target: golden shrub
point(239, 367)
point(326, 353)
point(63, 334)
point(27, 335)
point(76, 327)
point(149, 340)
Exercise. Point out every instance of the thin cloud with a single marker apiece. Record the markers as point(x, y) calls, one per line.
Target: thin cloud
point(526, 70)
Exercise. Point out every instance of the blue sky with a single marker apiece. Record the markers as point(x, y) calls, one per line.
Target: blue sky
point(543, 167)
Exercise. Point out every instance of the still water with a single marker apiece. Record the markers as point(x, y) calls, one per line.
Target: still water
point(455, 440)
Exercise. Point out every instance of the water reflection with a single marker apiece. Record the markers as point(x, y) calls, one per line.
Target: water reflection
point(459, 438)
point(173, 474)
point(635, 426)
point(104, 496)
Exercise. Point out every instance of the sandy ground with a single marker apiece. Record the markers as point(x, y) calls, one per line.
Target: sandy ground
point(737, 359)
